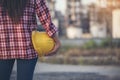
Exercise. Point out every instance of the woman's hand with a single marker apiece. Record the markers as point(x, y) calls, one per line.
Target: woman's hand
point(56, 47)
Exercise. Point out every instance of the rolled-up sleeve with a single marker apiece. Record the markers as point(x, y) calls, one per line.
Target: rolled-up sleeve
point(44, 16)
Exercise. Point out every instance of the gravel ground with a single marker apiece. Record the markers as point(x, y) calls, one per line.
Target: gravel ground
point(45, 71)
point(69, 76)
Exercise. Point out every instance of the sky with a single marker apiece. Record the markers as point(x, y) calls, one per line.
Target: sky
point(61, 4)
point(88, 1)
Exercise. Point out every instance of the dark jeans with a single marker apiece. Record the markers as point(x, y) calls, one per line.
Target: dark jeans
point(25, 69)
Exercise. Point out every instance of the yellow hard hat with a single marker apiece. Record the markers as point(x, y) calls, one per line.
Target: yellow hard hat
point(42, 43)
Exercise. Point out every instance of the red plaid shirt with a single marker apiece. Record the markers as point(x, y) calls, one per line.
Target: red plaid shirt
point(15, 40)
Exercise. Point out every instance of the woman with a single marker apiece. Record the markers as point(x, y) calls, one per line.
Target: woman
point(17, 20)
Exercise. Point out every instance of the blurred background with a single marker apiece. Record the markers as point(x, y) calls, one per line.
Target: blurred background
point(89, 31)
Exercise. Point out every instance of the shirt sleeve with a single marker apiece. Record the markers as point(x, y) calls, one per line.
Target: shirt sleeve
point(44, 16)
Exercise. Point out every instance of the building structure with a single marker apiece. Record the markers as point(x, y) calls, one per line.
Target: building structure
point(116, 23)
point(77, 17)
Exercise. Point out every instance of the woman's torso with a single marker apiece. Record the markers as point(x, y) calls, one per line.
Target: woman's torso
point(15, 40)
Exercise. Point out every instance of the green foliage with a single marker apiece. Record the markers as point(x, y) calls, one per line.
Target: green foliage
point(105, 43)
point(116, 43)
point(93, 45)
point(90, 45)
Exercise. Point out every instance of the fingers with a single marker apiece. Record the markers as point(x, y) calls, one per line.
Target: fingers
point(55, 50)
point(56, 47)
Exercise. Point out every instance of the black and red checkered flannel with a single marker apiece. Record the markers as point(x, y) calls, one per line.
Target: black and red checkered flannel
point(15, 40)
